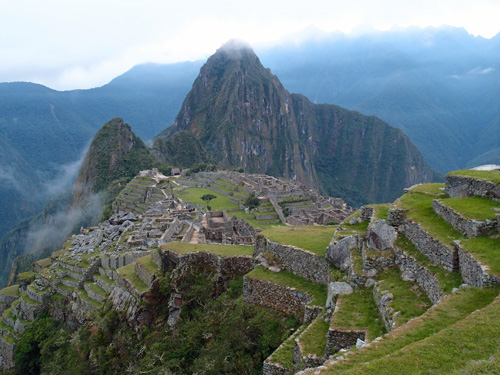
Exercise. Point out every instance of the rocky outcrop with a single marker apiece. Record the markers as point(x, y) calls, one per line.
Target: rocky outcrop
point(381, 236)
point(339, 252)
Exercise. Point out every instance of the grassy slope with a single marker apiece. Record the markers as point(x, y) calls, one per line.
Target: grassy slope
point(493, 176)
point(222, 250)
point(312, 238)
point(478, 208)
point(450, 310)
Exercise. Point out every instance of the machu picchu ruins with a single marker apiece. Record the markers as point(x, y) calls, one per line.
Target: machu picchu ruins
point(352, 278)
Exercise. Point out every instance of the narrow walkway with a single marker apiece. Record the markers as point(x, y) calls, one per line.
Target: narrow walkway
point(195, 237)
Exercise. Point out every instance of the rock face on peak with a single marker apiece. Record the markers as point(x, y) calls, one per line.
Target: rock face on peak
point(244, 117)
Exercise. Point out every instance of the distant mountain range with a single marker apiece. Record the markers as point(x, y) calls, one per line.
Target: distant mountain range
point(441, 86)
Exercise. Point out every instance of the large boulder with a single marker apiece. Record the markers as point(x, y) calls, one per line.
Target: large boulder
point(339, 252)
point(381, 236)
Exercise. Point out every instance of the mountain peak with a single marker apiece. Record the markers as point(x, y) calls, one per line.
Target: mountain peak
point(235, 49)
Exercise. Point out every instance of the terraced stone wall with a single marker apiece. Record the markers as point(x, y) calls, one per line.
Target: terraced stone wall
point(421, 275)
point(463, 186)
point(383, 300)
point(396, 217)
point(468, 227)
point(472, 271)
point(7, 354)
point(440, 254)
point(298, 261)
point(279, 297)
point(337, 339)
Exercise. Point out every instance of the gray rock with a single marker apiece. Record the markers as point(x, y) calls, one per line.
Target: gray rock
point(408, 276)
point(339, 252)
point(369, 282)
point(360, 343)
point(381, 236)
point(337, 288)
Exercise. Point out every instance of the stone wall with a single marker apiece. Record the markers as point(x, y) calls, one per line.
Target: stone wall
point(472, 271)
point(28, 311)
point(468, 227)
point(396, 217)
point(238, 265)
point(118, 260)
point(298, 261)
point(337, 339)
point(366, 213)
point(279, 297)
point(421, 275)
point(7, 354)
point(7, 299)
point(273, 368)
point(383, 301)
point(463, 186)
point(438, 253)
point(143, 274)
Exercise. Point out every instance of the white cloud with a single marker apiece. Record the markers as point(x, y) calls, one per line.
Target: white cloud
point(85, 43)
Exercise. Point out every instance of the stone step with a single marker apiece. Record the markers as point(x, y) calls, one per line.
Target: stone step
point(69, 281)
point(88, 303)
point(104, 282)
point(95, 292)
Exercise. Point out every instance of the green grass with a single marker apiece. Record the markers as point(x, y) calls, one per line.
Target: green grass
point(221, 250)
point(148, 264)
point(434, 188)
point(128, 273)
point(9, 338)
point(12, 290)
point(285, 278)
point(28, 276)
point(44, 262)
point(313, 340)
point(447, 279)
point(28, 300)
point(381, 210)
point(357, 262)
point(83, 295)
point(478, 208)
point(450, 310)
point(473, 338)
point(493, 176)
point(96, 288)
point(420, 210)
point(409, 299)
point(357, 311)
point(194, 195)
point(313, 238)
point(486, 250)
point(284, 355)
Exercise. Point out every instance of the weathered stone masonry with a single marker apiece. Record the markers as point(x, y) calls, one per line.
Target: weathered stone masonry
point(298, 261)
point(463, 186)
point(472, 271)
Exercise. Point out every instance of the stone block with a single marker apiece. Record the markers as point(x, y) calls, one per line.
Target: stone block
point(339, 253)
point(381, 236)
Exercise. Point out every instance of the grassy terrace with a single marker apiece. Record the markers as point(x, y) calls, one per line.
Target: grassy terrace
point(194, 195)
point(473, 338)
point(285, 278)
point(83, 295)
point(312, 238)
point(357, 311)
point(27, 277)
point(450, 310)
point(128, 273)
point(96, 288)
point(493, 176)
point(28, 300)
point(12, 290)
point(148, 264)
point(447, 279)
point(409, 299)
point(44, 262)
point(381, 210)
point(486, 250)
point(221, 250)
point(313, 341)
point(284, 355)
point(419, 206)
point(478, 208)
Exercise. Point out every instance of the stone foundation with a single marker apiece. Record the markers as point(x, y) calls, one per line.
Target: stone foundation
point(298, 261)
point(438, 253)
point(473, 272)
point(279, 297)
point(337, 339)
point(421, 275)
point(396, 217)
point(468, 227)
point(463, 186)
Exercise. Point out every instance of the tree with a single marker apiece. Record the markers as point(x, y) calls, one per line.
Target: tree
point(207, 198)
point(252, 201)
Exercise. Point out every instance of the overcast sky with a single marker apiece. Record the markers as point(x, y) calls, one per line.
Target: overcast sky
point(68, 44)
